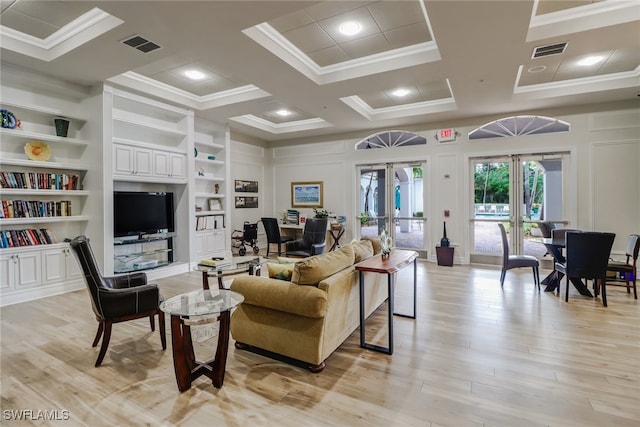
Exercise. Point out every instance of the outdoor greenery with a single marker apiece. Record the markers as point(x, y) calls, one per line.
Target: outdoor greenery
point(491, 185)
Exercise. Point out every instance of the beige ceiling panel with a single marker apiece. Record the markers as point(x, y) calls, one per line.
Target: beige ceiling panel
point(213, 86)
point(309, 38)
point(360, 15)
point(27, 24)
point(328, 56)
point(529, 78)
point(393, 14)
point(291, 21)
point(629, 55)
point(407, 35)
point(57, 16)
point(328, 9)
point(366, 46)
point(550, 6)
point(295, 116)
point(435, 90)
point(376, 99)
point(162, 64)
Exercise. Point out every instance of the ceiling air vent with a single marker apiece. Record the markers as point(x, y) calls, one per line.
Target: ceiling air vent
point(551, 49)
point(140, 43)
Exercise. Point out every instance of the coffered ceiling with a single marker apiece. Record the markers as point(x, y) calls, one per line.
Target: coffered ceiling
point(281, 70)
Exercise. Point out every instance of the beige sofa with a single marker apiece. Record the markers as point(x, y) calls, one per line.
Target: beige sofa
point(309, 317)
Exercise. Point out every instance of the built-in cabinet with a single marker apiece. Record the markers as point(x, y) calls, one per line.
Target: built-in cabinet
point(46, 200)
point(211, 187)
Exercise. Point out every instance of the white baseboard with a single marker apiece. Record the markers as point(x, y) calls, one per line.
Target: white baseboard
point(24, 295)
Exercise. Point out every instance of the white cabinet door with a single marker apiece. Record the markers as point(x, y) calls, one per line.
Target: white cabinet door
point(28, 268)
point(143, 162)
point(178, 166)
point(6, 272)
point(161, 164)
point(123, 160)
point(54, 265)
point(216, 243)
point(72, 267)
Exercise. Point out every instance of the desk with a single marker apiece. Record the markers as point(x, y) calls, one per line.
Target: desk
point(397, 260)
point(197, 307)
point(336, 235)
point(555, 277)
point(292, 230)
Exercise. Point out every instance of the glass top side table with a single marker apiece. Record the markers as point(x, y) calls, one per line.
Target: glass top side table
point(191, 308)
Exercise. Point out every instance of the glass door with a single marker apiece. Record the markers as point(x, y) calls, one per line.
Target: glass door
point(393, 193)
point(520, 191)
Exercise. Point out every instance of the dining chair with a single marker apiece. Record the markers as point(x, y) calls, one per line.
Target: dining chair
point(272, 229)
point(117, 299)
point(516, 261)
point(587, 257)
point(628, 267)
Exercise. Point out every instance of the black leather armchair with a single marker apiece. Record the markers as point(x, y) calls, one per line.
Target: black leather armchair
point(313, 240)
point(117, 299)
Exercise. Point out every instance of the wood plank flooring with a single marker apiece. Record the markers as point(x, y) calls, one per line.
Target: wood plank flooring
point(477, 355)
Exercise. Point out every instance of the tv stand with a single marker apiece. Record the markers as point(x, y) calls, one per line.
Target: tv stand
point(142, 252)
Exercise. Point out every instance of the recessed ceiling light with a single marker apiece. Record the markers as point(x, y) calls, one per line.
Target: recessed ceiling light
point(283, 113)
point(590, 60)
point(400, 92)
point(195, 74)
point(350, 28)
point(537, 69)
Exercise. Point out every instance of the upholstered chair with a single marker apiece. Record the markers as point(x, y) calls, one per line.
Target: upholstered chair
point(313, 240)
point(272, 230)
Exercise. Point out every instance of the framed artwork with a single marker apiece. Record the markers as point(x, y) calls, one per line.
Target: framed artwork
point(246, 186)
point(306, 194)
point(215, 205)
point(246, 202)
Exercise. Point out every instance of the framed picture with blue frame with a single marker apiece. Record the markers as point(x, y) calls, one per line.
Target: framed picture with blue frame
point(306, 194)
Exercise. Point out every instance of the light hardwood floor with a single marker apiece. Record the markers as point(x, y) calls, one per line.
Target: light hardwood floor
point(477, 355)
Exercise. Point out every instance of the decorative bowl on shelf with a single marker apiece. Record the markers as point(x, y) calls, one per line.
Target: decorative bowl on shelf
point(37, 150)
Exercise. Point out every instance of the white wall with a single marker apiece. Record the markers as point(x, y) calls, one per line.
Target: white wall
point(603, 190)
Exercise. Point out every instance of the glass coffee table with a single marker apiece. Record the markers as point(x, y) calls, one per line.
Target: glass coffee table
point(193, 308)
point(230, 267)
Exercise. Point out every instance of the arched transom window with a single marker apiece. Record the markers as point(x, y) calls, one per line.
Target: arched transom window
point(391, 138)
point(518, 126)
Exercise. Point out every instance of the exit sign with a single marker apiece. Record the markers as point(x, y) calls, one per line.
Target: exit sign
point(445, 135)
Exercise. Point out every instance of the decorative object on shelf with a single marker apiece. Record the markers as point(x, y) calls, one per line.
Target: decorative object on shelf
point(216, 188)
point(195, 152)
point(200, 171)
point(246, 202)
point(444, 242)
point(306, 194)
point(9, 120)
point(210, 157)
point(62, 126)
point(283, 215)
point(215, 205)
point(37, 150)
point(320, 213)
point(385, 241)
point(246, 186)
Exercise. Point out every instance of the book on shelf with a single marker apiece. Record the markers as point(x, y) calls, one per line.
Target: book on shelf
point(34, 208)
point(39, 180)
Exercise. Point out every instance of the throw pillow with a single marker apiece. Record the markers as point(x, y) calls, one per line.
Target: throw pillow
point(280, 271)
point(362, 250)
point(311, 271)
point(286, 260)
point(376, 242)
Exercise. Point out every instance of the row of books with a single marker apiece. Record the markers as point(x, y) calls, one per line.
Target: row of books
point(34, 208)
point(27, 237)
point(39, 180)
point(209, 222)
point(218, 263)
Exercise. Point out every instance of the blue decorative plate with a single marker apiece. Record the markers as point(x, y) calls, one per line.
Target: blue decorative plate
point(8, 119)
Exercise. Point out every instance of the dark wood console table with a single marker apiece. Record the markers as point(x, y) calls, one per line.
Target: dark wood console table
point(397, 260)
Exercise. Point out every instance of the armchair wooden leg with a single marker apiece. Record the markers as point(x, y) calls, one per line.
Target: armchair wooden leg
point(566, 297)
point(105, 342)
point(604, 292)
point(152, 322)
point(98, 334)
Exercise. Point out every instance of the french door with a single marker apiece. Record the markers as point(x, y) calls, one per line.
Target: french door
point(520, 191)
point(392, 197)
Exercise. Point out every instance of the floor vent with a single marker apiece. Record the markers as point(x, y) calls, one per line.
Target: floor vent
point(140, 43)
point(551, 49)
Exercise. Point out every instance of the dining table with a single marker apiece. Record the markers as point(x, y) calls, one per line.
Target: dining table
point(553, 279)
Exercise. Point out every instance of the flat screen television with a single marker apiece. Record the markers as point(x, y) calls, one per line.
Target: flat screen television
point(137, 213)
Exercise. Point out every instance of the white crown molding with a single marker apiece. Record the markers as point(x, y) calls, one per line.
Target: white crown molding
point(154, 87)
point(76, 33)
point(396, 111)
point(266, 36)
point(625, 79)
point(583, 18)
point(280, 128)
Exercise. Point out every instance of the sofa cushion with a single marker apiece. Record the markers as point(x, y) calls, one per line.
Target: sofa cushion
point(312, 270)
point(362, 249)
point(280, 271)
point(376, 242)
point(287, 260)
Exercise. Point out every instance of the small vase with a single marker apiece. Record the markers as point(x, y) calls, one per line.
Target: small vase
point(444, 242)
